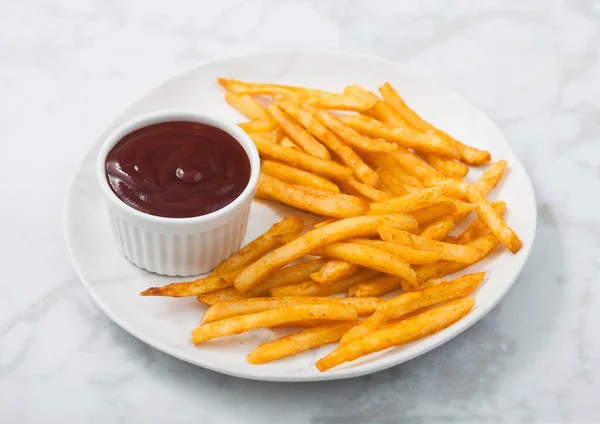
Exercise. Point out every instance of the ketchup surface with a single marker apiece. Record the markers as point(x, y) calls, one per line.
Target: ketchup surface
point(178, 169)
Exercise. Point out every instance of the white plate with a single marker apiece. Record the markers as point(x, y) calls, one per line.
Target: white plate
point(165, 324)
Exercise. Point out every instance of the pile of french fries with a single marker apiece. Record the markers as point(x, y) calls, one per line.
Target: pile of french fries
point(389, 188)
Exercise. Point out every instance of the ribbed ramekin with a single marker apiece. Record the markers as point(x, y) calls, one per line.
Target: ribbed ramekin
point(178, 246)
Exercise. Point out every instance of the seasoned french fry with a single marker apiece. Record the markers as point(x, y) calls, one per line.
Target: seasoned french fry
point(376, 287)
point(286, 142)
point(270, 318)
point(411, 202)
point(365, 327)
point(447, 251)
point(193, 288)
point(299, 341)
point(409, 302)
point(347, 134)
point(369, 257)
point(467, 153)
point(301, 160)
point(224, 295)
point(388, 163)
point(435, 211)
point(310, 288)
point(261, 245)
point(339, 230)
point(324, 222)
point(258, 126)
point(491, 177)
point(403, 136)
point(366, 190)
point(225, 310)
point(298, 134)
point(413, 328)
point(409, 254)
point(486, 244)
point(328, 204)
point(247, 106)
point(381, 110)
point(333, 271)
point(439, 229)
point(448, 167)
point(241, 87)
point(415, 165)
point(478, 227)
point(296, 176)
point(394, 183)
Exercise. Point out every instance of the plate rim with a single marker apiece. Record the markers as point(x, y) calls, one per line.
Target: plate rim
point(436, 340)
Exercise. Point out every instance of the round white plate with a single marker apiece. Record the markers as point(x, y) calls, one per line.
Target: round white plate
point(165, 324)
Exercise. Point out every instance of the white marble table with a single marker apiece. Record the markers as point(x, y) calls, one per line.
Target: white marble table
point(67, 66)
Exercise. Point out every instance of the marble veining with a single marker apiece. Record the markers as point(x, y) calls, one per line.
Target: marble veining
point(68, 66)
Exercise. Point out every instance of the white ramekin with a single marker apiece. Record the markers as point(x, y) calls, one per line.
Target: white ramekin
point(178, 246)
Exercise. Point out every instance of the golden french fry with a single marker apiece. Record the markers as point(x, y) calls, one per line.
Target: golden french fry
point(389, 164)
point(310, 288)
point(270, 136)
point(334, 101)
point(242, 87)
point(448, 167)
point(329, 203)
point(329, 139)
point(376, 287)
point(365, 327)
point(366, 190)
point(410, 329)
point(491, 177)
point(435, 211)
point(403, 136)
point(247, 106)
point(225, 310)
point(298, 134)
point(345, 228)
point(409, 254)
point(478, 227)
point(411, 202)
point(468, 154)
point(394, 183)
point(299, 341)
point(324, 222)
point(300, 159)
point(347, 134)
point(333, 271)
point(228, 294)
point(256, 126)
point(270, 318)
point(414, 165)
point(486, 244)
point(449, 239)
point(261, 245)
point(381, 111)
point(369, 257)
point(447, 251)
point(409, 302)
point(286, 142)
point(438, 230)
point(193, 288)
point(296, 176)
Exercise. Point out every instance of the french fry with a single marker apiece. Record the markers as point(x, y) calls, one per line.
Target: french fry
point(387, 162)
point(333, 271)
point(270, 318)
point(376, 287)
point(409, 254)
point(410, 329)
point(242, 87)
point(299, 341)
point(415, 165)
point(351, 137)
point(409, 302)
point(439, 229)
point(366, 190)
point(411, 202)
point(296, 176)
point(447, 251)
point(435, 211)
point(286, 142)
point(395, 185)
point(369, 257)
point(310, 288)
point(448, 167)
point(365, 327)
point(486, 244)
point(261, 245)
point(491, 177)
point(193, 288)
point(228, 294)
point(345, 228)
point(329, 139)
point(324, 222)
point(478, 227)
point(258, 126)
point(300, 159)
point(270, 136)
point(247, 106)
point(403, 136)
point(381, 111)
point(298, 134)
point(467, 153)
point(225, 310)
point(330, 204)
